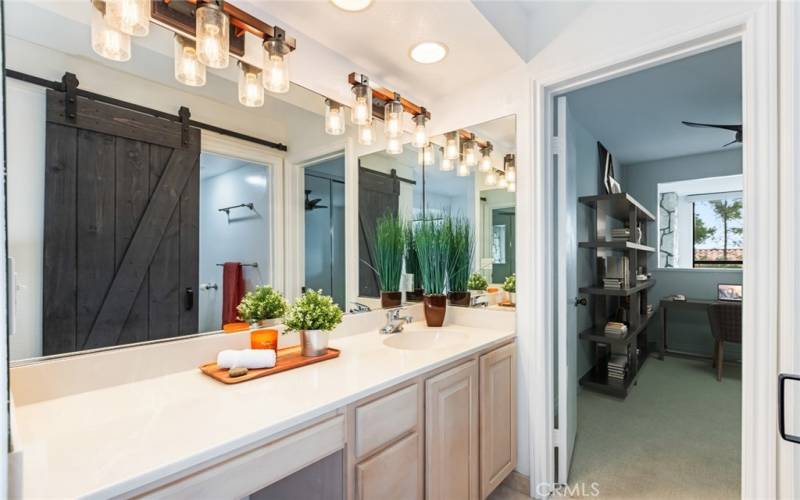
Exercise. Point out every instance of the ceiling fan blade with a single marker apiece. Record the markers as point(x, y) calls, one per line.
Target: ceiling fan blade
point(733, 128)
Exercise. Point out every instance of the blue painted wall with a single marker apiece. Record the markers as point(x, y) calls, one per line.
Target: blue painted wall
point(688, 331)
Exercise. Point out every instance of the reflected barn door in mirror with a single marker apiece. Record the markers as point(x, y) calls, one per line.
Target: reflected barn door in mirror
point(121, 227)
point(378, 194)
point(503, 237)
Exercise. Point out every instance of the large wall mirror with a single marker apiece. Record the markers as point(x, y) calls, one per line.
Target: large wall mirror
point(469, 175)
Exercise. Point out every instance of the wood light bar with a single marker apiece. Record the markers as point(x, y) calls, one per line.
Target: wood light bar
point(466, 135)
point(179, 16)
point(381, 96)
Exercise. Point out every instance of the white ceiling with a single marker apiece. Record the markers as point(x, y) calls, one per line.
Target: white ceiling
point(380, 37)
point(638, 116)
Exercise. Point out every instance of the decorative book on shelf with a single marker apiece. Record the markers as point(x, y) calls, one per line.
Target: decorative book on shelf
point(619, 300)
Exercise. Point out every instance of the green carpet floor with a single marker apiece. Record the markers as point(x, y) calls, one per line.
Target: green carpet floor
point(676, 435)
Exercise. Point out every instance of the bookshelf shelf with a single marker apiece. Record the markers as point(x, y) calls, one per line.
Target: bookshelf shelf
point(623, 260)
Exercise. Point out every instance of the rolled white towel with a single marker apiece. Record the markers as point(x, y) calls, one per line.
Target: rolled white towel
point(246, 358)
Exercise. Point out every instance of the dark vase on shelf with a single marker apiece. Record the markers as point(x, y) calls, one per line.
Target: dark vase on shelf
point(435, 306)
point(415, 296)
point(391, 299)
point(459, 298)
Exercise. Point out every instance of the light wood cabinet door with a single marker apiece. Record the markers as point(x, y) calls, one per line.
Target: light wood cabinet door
point(394, 473)
point(498, 417)
point(451, 434)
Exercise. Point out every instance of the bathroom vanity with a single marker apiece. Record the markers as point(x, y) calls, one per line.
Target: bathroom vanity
point(425, 413)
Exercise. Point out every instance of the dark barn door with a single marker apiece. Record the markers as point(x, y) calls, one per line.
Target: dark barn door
point(121, 227)
point(378, 194)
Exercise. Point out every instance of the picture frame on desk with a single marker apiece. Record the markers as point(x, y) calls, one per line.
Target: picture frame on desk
point(729, 292)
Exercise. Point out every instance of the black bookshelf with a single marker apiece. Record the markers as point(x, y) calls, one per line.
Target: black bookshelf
point(608, 304)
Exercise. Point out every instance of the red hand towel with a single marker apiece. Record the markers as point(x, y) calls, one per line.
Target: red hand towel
point(232, 291)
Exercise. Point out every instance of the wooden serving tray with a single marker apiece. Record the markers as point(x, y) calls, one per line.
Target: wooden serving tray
point(506, 303)
point(288, 359)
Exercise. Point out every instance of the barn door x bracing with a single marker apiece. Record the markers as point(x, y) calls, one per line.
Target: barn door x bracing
point(121, 226)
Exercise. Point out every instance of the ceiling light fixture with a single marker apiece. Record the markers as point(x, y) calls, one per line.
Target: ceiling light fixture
point(334, 118)
point(212, 35)
point(428, 52)
point(188, 69)
point(352, 5)
point(107, 41)
point(251, 85)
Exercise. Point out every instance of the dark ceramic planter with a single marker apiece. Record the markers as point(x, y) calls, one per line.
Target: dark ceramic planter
point(435, 308)
point(415, 296)
point(391, 299)
point(459, 298)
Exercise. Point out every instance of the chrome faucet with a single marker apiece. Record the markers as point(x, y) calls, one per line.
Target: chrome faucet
point(395, 322)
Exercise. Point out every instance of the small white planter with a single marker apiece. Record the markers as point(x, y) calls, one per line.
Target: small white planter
point(512, 297)
point(314, 342)
point(266, 323)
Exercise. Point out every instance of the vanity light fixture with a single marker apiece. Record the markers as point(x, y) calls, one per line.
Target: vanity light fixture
point(188, 69)
point(365, 135)
point(485, 163)
point(394, 146)
point(251, 85)
point(446, 164)
point(393, 117)
point(131, 17)
point(352, 5)
point(502, 182)
point(334, 117)
point(425, 155)
point(420, 130)
point(428, 52)
point(107, 41)
point(361, 112)
point(469, 152)
point(462, 170)
point(212, 35)
point(452, 149)
point(512, 187)
point(276, 65)
point(491, 178)
point(510, 166)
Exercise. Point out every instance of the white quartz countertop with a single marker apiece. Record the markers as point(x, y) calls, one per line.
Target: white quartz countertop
point(108, 441)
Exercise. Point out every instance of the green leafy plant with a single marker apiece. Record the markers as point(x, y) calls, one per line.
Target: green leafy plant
point(432, 241)
point(263, 303)
point(477, 282)
point(510, 284)
point(389, 246)
point(460, 252)
point(412, 260)
point(313, 311)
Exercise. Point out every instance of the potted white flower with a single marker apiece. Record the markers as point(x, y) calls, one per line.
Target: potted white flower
point(264, 306)
point(313, 315)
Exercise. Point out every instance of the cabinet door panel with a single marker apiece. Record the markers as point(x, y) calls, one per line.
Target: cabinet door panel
point(498, 408)
point(451, 434)
point(393, 473)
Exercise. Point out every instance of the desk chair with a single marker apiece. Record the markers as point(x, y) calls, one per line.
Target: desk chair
point(726, 326)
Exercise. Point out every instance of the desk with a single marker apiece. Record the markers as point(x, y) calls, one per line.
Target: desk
point(665, 304)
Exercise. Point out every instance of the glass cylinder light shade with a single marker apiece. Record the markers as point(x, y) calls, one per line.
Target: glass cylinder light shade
point(276, 66)
point(420, 131)
point(491, 178)
point(107, 41)
point(394, 146)
point(446, 164)
point(131, 17)
point(502, 182)
point(213, 42)
point(365, 135)
point(452, 149)
point(393, 117)
point(361, 112)
point(251, 85)
point(470, 153)
point(512, 187)
point(510, 167)
point(334, 118)
point(485, 163)
point(425, 155)
point(188, 69)
point(462, 170)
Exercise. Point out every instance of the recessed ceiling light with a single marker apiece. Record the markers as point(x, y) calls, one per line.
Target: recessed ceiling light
point(352, 5)
point(428, 52)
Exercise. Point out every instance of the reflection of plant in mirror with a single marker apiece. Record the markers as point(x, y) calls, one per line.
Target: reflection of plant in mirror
point(412, 260)
point(313, 311)
point(510, 284)
point(389, 246)
point(477, 282)
point(432, 241)
point(263, 303)
point(460, 252)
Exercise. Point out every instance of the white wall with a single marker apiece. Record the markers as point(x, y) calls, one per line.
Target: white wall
point(242, 237)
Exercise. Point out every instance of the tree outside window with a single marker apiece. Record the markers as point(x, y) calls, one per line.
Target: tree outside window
point(718, 232)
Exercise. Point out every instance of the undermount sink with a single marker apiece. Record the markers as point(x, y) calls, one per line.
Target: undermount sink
point(418, 340)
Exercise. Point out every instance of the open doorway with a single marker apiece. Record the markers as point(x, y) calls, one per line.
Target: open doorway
point(649, 280)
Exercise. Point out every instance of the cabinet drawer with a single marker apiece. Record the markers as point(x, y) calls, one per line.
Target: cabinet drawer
point(386, 419)
point(394, 473)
